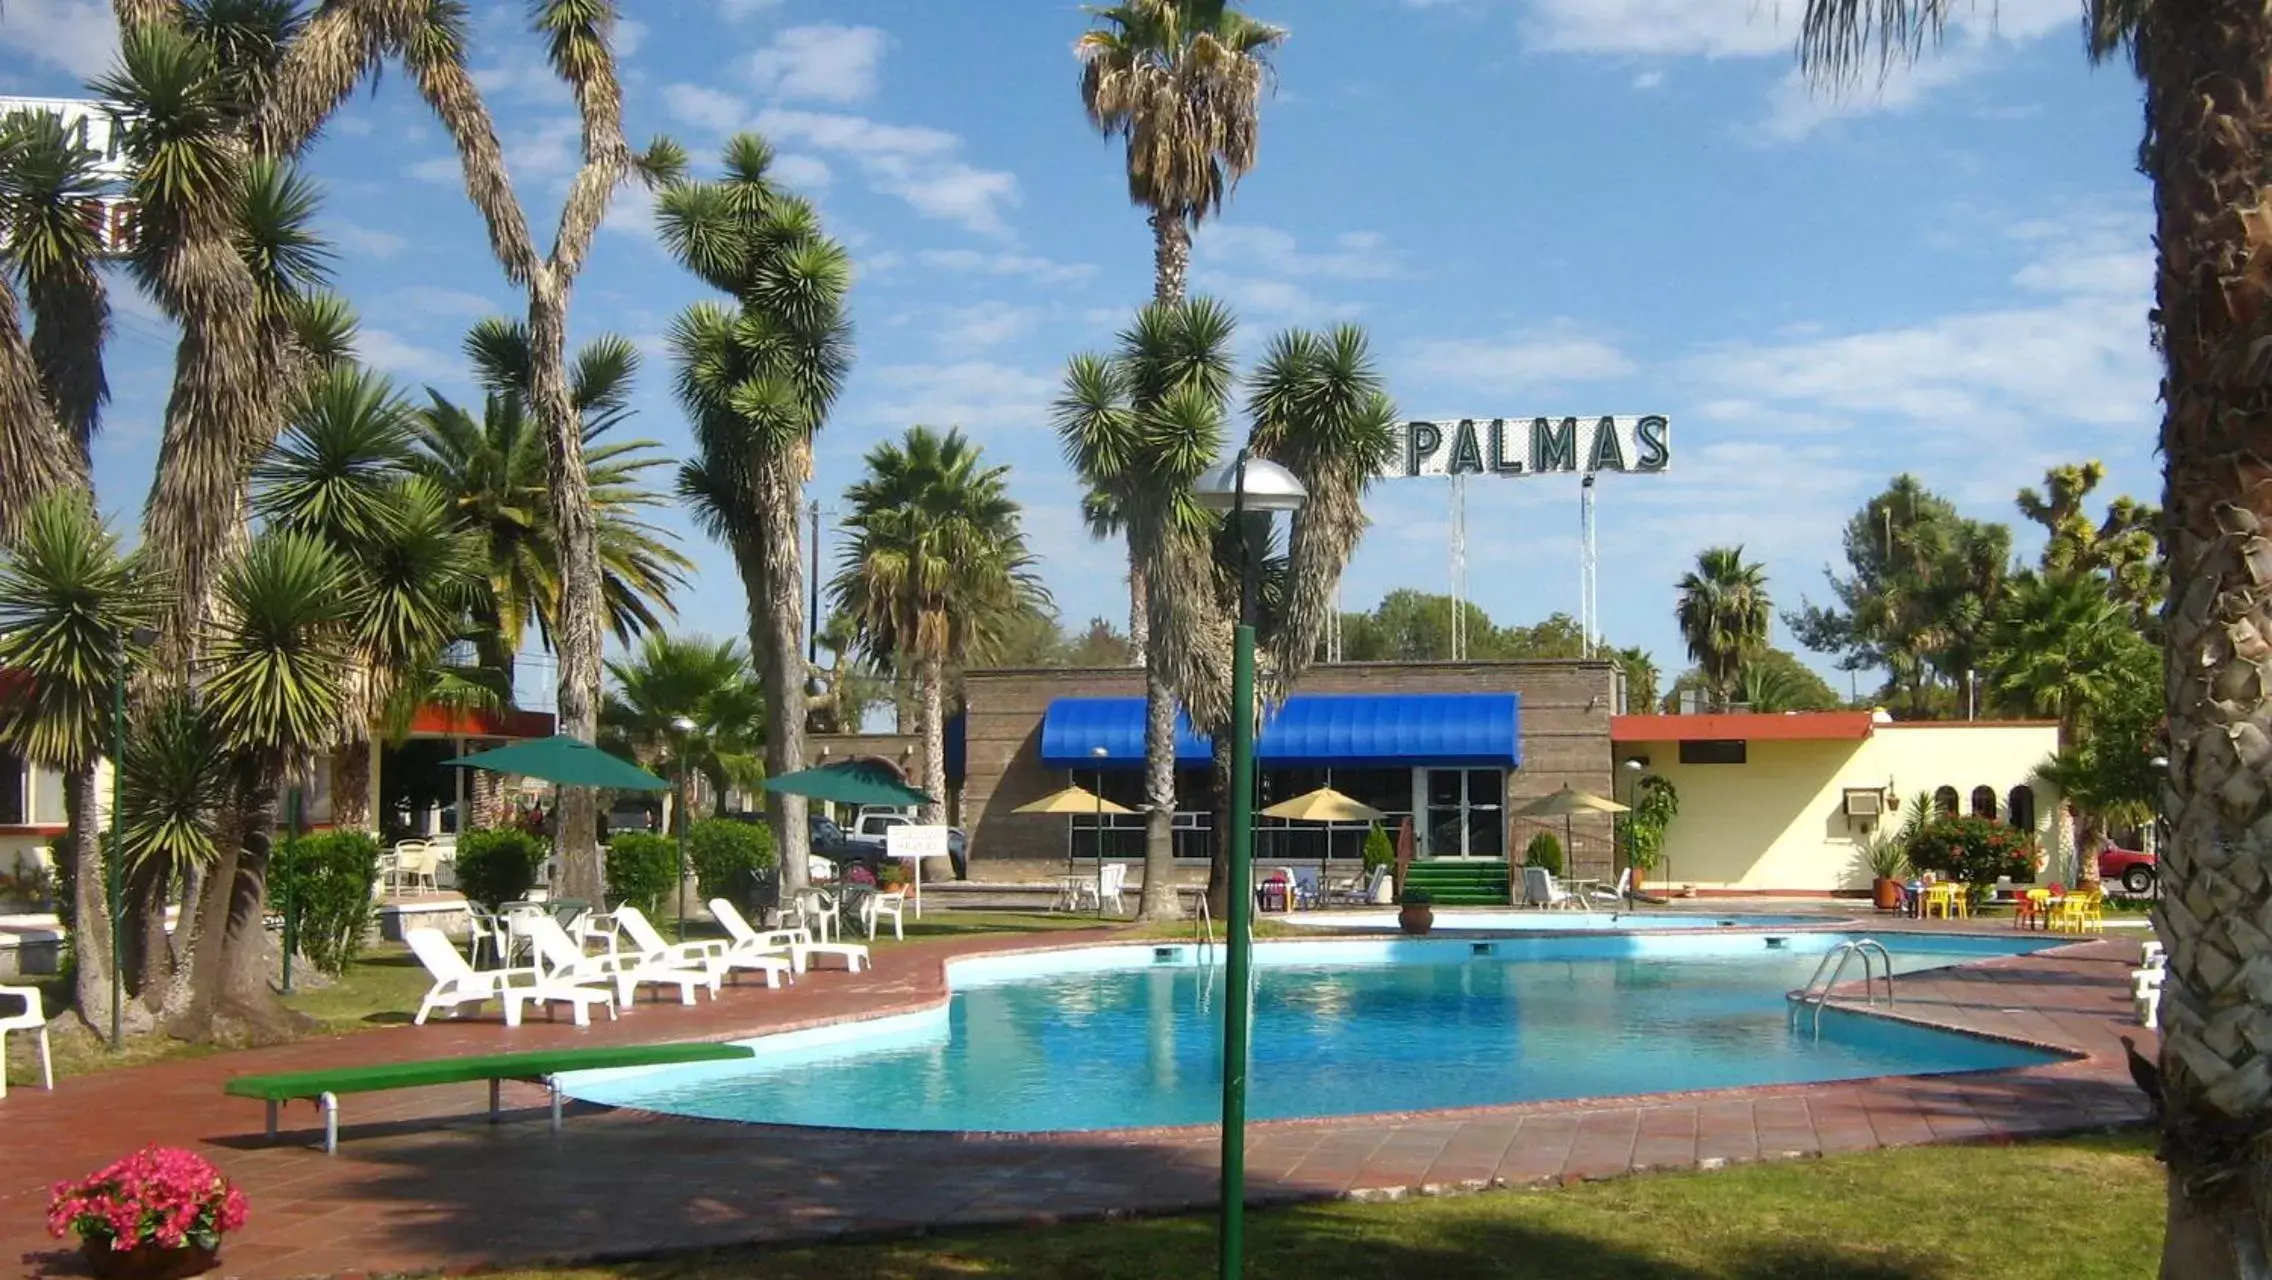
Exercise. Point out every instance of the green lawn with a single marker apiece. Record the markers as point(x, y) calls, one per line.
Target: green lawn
point(2080, 1209)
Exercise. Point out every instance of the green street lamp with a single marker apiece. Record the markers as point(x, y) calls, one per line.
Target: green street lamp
point(1243, 488)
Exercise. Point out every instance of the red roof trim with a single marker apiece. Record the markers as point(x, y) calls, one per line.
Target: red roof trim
point(1744, 726)
point(454, 722)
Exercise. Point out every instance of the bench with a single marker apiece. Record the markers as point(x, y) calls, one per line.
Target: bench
point(324, 1087)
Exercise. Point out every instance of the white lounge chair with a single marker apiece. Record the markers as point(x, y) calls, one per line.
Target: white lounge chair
point(1540, 890)
point(32, 1020)
point(458, 983)
point(710, 954)
point(1613, 897)
point(561, 960)
point(797, 944)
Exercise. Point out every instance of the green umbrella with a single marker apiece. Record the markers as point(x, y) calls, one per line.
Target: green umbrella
point(564, 761)
point(849, 782)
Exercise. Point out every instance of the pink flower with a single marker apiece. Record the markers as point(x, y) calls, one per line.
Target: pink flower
point(158, 1194)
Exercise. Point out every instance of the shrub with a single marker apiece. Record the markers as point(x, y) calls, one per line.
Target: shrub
point(725, 849)
point(330, 878)
point(1380, 851)
point(158, 1196)
point(1973, 851)
point(1418, 898)
point(498, 865)
point(1544, 850)
point(642, 869)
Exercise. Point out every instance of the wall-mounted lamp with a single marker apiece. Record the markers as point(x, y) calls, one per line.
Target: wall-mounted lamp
point(1637, 763)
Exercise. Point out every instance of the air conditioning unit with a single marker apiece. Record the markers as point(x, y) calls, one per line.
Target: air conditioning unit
point(1864, 802)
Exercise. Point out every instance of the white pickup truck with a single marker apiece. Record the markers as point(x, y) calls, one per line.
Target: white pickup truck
point(870, 826)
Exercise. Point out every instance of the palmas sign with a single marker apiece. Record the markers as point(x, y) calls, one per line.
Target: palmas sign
point(1531, 446)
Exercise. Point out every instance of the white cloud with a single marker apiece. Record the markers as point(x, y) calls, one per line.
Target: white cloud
point(820, 63)
point(1553, 356)
point(1262, 296)
point(973, 262)
point(440, 170)
point(913, 162)
point(807, 173)
point(858, 135)
point(546, 150)
point(79, 36)
point(704, 107)
point(981, 326)
point(368, 241)
point(390, 352)
point(1355, 255)
point(630, 36)
point(738, 10)
point(1649, 80)
point(431, 301)
point(977, 395)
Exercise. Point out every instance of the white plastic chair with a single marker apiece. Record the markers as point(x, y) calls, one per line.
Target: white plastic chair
point(560, 960)
point(413, 866)
point(483, 929)
point(797, 944)
point(877, 905)
point(816, 911)
point(457, 983)
point(1308, 891)
point(709, 954)
point(1614, 897)
point(32, 1020)
point(1110, 882)
point(1540, 890)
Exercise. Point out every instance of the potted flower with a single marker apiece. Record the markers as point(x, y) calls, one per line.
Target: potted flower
point(1419, 913)
point(158, 1214)
point(1887, 861)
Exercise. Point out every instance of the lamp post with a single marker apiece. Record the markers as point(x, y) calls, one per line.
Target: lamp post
point(685, 729)
point(1242, 487)
point(1098, 754)
point(114, 862)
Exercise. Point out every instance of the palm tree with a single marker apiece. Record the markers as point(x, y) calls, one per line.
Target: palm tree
point(577, 35)
point(1723, 613)
point(1638, 669)
point(1140, 426)
point(757, 379)
point(52, 388)
point(703, 681)
point(1101, 515)
point(1181, 80)
point(69, 603)
point(2059, 646)
point(935, 564)
point(2202, 144)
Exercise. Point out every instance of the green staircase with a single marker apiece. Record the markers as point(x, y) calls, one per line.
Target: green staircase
point(1461, 884)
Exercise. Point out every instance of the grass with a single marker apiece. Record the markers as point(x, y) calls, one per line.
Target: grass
point(2074, 1209)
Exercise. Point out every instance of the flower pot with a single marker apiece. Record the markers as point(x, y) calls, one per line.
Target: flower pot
point(148, 1261)
point(1886, 891)
point(1416, 918)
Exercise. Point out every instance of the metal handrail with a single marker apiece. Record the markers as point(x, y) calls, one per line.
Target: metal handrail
point(1817, 990)
point(1203, 932)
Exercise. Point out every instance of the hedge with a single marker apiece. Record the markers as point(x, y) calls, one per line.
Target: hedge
point(642, 870)
point(499, 865)
point(329, 881)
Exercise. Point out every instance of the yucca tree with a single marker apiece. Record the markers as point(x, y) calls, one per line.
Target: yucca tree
point(1101, 516)
point(2205, 143)
point(704, 681)
point(577, 35)
point(1139, 426)
point(934, 565)
point(1723, 611)
point(493, 470)
point(70, 601)
point(52, 385)
point(757, 378)
point(1181, 81)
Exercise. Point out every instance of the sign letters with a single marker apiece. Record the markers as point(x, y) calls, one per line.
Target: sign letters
point(1532, 446)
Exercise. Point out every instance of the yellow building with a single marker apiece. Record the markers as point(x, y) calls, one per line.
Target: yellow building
point(1778, 803)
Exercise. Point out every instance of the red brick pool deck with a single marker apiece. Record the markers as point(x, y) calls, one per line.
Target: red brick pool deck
point(423, 1183)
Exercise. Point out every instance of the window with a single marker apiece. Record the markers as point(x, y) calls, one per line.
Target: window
point(1713, 751)
point(1984, 802)
point(1276, 839)
point(1944, 802)
point(11, 789)
point(47, 797)
point(2019, 807)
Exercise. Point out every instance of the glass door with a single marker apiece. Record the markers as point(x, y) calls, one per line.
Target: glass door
point(1466, 813)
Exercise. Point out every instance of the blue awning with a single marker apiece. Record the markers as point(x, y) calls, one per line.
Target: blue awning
point(1310, 731)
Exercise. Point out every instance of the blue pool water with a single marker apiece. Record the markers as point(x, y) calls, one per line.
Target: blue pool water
point(1117, 1038)
point(1458, 920)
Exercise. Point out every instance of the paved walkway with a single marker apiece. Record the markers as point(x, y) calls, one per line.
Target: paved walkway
point(422, 1183)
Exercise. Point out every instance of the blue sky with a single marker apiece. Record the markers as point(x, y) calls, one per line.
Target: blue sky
point(1534, 206)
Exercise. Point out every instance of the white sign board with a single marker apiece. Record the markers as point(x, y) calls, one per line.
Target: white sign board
point(1531, 446)
point(91, 120)
point(905, 840)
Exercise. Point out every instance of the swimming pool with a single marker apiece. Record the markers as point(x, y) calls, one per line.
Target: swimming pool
point(1458, 920)
point(1129, 1036)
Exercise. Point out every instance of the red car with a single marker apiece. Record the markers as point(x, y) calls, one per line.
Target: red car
point(2133, 870)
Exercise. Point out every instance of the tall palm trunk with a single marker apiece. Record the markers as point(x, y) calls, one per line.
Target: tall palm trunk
point(1171, 255)
point(576, 635)
point(2208, 150)
point(1160, 900)
point(33, 453)
point(782, 581)
point(931, 674)
point(351, 770)
point(1139, 624)
point(90, 904)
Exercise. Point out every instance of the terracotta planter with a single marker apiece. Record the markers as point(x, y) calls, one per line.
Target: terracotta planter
point(147, 1261)
point(1886, 891)
point(1416, 918)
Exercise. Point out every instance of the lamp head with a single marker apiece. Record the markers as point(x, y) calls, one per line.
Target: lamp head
point(1100, 752)
point(1635, 764)
point(1268, 487)
point(684, 724)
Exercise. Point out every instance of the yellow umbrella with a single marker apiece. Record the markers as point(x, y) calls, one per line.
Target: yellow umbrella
point(1074, 800)
point(1324, 805)
point(1566, 802)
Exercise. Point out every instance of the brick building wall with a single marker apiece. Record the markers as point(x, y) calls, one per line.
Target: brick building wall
point(1564, 723)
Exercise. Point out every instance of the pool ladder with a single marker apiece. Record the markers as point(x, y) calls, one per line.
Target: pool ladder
point(1816, 993)
point(1203, 932)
